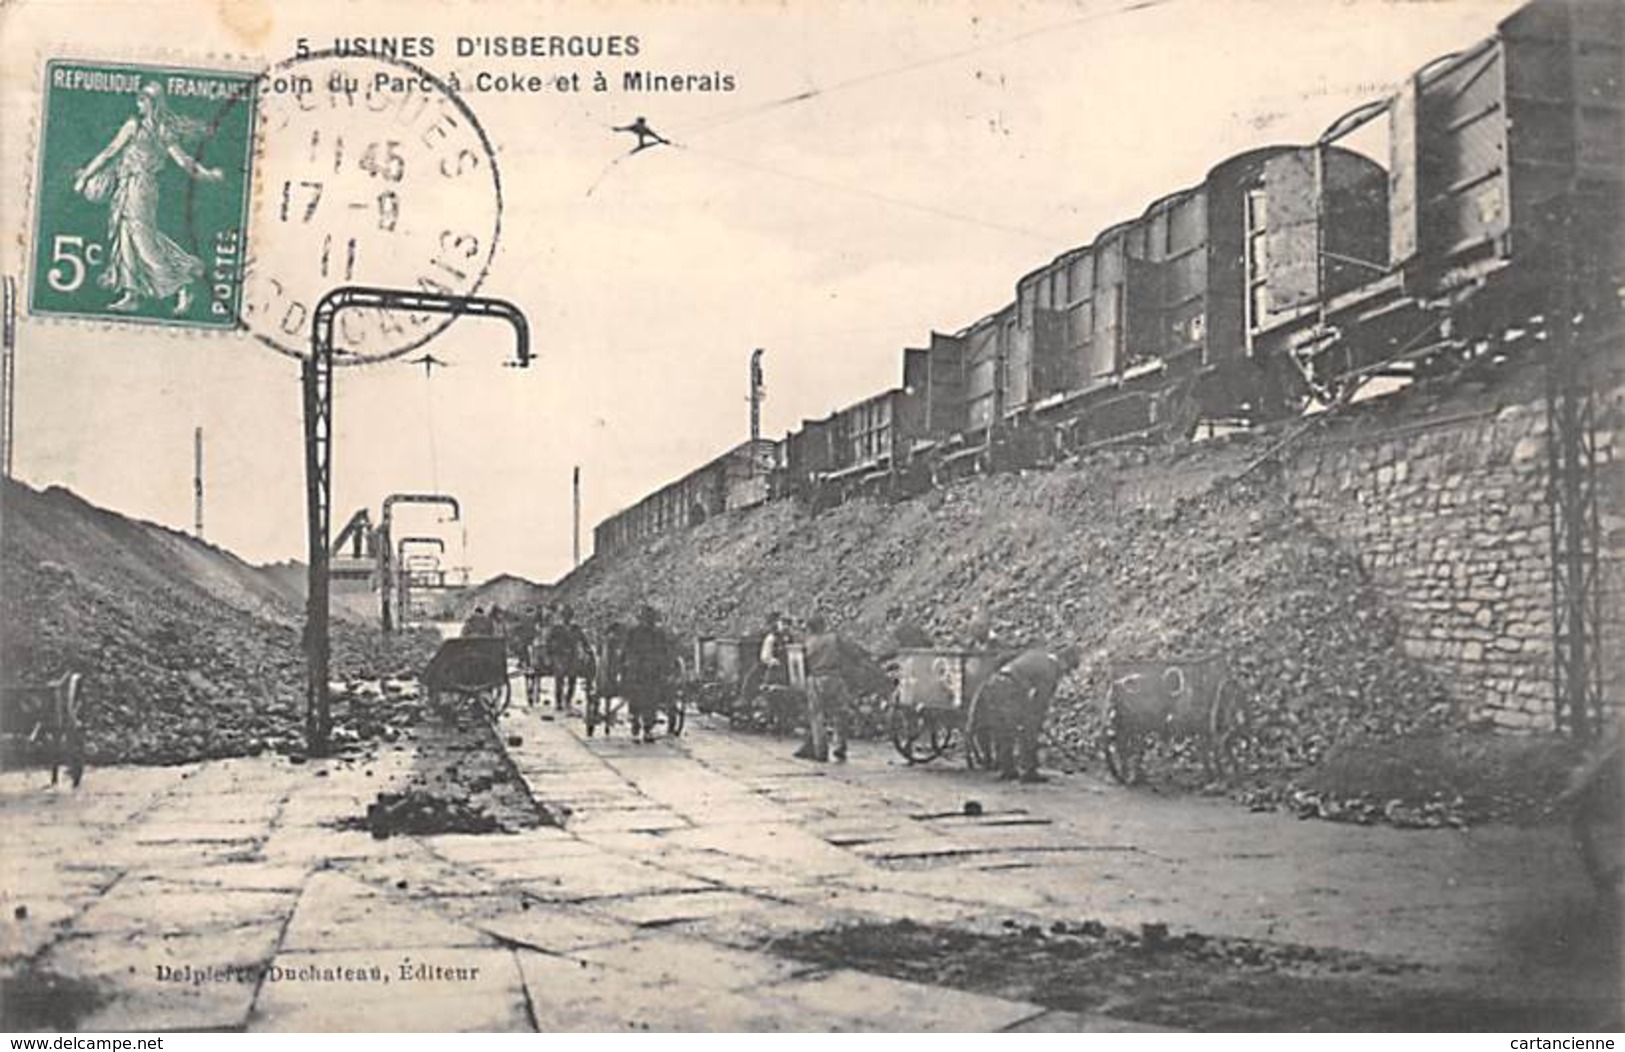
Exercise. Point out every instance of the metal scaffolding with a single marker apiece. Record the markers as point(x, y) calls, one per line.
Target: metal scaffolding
point(1573, 324)
point(317, 379)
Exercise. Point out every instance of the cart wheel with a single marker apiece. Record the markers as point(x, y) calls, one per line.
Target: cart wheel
point(1125, 752)
point(676, 714)
point(1226, 732)
point(494, 700)
point(979, 751)
point(918, 737)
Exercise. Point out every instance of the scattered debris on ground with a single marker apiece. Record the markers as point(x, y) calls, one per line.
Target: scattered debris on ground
point(1188, 980)
point(1449, 777)
point(461, 782)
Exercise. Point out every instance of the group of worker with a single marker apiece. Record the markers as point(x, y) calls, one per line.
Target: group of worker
point(639, 663)
point(642, 664)
point(834, 665)
point(1011, 704)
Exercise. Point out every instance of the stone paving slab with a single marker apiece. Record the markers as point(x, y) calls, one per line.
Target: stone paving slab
point(137, 995)
point(237, 876)
point(43, 920)
point(129, 908)
point(609, 883)
point(786, 845)
point(419, 875)
point(53, 874)
point(507, 847)
point(661, 958)
point(540, 926)
point(471, 990)
point(249, 828)
point(295, 844)
point(747, 930)
point(543, 867)
point(337, 912)
point(601, 926)
point(889, 905)
point(629, 820)
point(129, 853)
point(571, 995)
point(664, 908)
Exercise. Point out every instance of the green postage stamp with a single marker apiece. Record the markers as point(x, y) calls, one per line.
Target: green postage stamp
point(142, 193)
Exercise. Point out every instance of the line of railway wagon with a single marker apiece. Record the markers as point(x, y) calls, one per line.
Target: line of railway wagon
point(1287, 277)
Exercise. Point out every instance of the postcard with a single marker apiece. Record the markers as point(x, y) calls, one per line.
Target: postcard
point(879, 515)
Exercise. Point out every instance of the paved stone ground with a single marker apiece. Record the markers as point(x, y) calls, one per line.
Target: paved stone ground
point(679, 860)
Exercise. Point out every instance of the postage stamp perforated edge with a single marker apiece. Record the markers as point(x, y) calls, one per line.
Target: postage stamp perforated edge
point(26, 221)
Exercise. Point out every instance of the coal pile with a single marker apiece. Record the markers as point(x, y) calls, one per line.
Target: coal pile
point(186, 652)
point(461, 782)
point(1078, 554)
point(420, 812)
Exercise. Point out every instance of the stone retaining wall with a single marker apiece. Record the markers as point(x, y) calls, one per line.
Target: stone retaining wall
point(1450, 516)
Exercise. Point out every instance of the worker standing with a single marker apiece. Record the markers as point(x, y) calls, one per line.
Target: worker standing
point(521, 632)
point(570, 653)
point(648, 665)
point(775, 652)
point(835, 665)
point(1012, 704)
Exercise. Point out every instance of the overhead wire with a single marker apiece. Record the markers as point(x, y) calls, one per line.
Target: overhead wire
point(871, 77)
point(757, 109)
point(942, 213)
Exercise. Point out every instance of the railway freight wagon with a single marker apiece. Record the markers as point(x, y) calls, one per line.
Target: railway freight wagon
point(736, 479)
point(1117, 333)
point(1505, 170)
point(1290, 272)
point(1492, 145)
point(804, 457)
point(873, 441)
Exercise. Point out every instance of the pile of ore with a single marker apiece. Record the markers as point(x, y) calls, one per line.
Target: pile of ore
point(461, 782)
point(172, 673)
point(1228, 568)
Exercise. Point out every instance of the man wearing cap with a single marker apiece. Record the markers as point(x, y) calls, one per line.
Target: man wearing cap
point(775, 653)
point(835, 667)
point(1012, 704)
point(570, 653)
point(648, 663)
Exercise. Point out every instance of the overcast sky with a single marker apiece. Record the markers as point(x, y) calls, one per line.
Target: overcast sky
point(946, 148)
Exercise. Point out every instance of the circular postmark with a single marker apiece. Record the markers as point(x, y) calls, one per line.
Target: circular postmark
point(369, 171)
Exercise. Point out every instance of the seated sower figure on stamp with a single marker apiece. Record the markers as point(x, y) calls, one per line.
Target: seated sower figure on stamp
point(142, 262)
